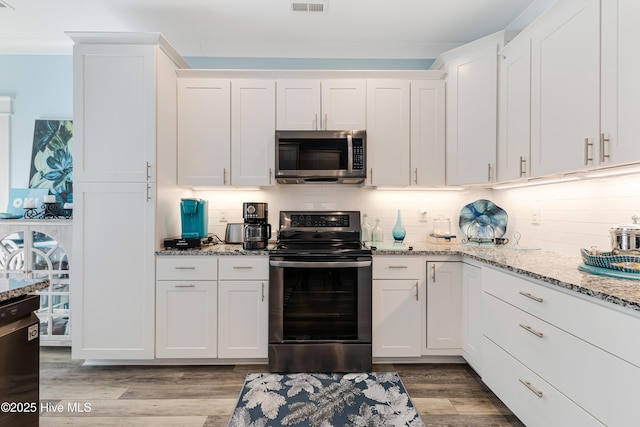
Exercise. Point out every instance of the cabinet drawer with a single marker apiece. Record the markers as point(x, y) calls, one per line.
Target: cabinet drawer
point(244, 268)
point(587, 320)
point(398, 267)
point(541, 405)
point(594, 375)
point(187, 268)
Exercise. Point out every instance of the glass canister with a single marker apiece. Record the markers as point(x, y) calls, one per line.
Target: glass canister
point(442, 227)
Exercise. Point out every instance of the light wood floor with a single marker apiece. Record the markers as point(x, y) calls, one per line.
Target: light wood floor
point(445, 395)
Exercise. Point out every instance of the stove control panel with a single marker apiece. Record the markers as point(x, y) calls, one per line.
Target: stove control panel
point(322, 220)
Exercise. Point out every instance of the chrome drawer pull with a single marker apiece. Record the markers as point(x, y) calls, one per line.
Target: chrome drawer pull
point(185, 268)
point(185, 286)
point(242, 267)
point(398, 266)
point(528, 295)
point(533, 331)
point(528, 385)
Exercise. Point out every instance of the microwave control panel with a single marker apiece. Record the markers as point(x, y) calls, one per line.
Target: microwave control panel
point(358, 155)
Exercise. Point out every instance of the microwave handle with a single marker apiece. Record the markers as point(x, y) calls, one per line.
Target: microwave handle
point(350, 153)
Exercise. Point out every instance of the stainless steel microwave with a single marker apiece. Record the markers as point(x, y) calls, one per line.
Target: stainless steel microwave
point(321, 156)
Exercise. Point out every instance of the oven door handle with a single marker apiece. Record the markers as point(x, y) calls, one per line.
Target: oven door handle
point(320, 264)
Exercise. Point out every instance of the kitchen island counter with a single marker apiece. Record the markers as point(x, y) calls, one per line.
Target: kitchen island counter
point(14, 288)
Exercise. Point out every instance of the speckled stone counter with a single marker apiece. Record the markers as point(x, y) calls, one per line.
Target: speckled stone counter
point(214, 250)
point(13, 288)
point(556, 269)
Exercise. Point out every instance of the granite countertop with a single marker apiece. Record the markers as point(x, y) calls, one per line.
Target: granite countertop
point(13, 288)
point(556, 269)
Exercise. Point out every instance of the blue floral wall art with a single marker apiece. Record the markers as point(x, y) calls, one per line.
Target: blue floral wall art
point(51, 161)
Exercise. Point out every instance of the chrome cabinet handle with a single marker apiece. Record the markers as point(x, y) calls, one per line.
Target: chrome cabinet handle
point(262, 291)
point(185, 286)
point(533, 331)
point(523, 166)
point(148, 193)
point(371, 175)
point(587, 144)
point(603, 156)
point(148, 171)
point(184, 268)
point(242, 267)
point(416, 285)
point(415, 171)
point(528, 385)
point(224, 175)
point(398, 266)
point(528, 295)
point(489, 172)
point(270, 173)
point(433, 272)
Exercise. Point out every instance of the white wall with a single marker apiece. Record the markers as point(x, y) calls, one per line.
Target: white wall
point(374, 203)
point(573, 215)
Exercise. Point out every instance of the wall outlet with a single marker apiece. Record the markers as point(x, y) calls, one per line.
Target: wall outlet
point(422, 215)
point(223, 216)
point(535, 216)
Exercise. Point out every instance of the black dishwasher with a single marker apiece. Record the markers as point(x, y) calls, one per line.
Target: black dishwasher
point(19, 362)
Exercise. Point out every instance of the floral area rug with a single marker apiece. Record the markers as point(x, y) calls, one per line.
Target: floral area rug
point(324, 400)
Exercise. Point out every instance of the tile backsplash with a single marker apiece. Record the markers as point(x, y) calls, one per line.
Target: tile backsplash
point(571, 215)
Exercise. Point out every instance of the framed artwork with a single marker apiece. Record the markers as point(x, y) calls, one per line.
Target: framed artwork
point(51, 161)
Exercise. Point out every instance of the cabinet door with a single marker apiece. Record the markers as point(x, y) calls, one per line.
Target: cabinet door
point(471, 117)
point(565, 85)
point(298, 104)
point(388, 130)
point(444, 303)
point(186, 319)
point(243, 317)
point(427, 132)
point(253, 126)
point(514, 110)
point(620, 87)
point(343, 104)
point(113, 282)
point(396, 318)
point(204, 131)
point(114, 101)
point(472, 316)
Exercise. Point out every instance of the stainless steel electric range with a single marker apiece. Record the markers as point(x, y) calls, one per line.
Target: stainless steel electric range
point(320, 294)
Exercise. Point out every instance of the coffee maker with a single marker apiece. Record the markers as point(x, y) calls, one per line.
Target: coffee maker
point(257, 231)
point(195, 218)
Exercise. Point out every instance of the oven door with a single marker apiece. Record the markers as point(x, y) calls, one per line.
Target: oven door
point(320, 299)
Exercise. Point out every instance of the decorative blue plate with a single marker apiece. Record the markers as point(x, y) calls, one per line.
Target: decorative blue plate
point(483, 220)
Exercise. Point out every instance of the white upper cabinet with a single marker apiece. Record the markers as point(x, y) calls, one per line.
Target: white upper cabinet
point(204, 131)
point(388, 133)
point(253, 112)
point(309, 104)
point(427, 132)
point(565, 87)
point(620, 81)
point(471, 116)
point(114, 125)
point(514, 110)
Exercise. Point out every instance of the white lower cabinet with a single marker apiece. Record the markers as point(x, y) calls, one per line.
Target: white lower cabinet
point(444, 304)
point(243, 307)
point(398, 305)
point(186, 323)
point(472, 316)
point(186, 307)
point(530, 398)
point(550, 369)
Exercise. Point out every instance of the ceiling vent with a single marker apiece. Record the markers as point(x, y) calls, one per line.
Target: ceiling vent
point(307, 7)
